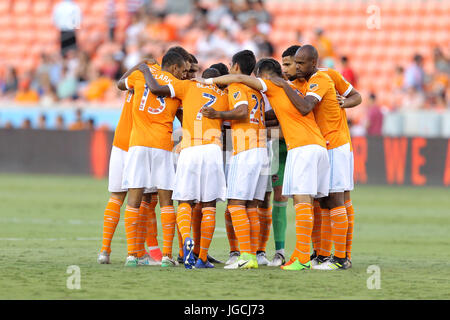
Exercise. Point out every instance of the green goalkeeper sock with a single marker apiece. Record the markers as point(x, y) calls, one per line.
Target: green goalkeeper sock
point(279, 222)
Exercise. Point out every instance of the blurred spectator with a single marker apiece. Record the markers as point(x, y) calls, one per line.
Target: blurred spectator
point(111, 18)
point(26, 94)
point(159, 29)
point(78, 124)
point(8, 125)
point(413, 99)
point(97, 87)
point(323, 44)
point(347, 71)
point(415, 74)
point(374, 117)
point(440, 62)
point(26, 124)
point(259, 11)
point(219, 12)
point(10, 83)
point(67, 87)
point(67, 18)
point(42, 121)
point(59, 124)
point(90, 124)
point(135, 29)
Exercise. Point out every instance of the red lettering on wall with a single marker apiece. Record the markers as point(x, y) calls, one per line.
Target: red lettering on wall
point(360, 159)
point(99, 153)
point(447, 166)
point(395, 150)
point(417, 161)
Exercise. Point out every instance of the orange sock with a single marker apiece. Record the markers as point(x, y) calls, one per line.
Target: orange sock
point(196, 226)
point(180, 242)
point(131, 220)
point(351, 223)
point(241, 226)
point(303, 229)
point(315, 236)
point(111, 218)
point(325, 233)
point(265, 222)
point(168, 222)
point(208, 225)
point(152, 224)
point(184, 215)
point(339, 226)
point(141, 229)
point(232, 239)
point(254, 228)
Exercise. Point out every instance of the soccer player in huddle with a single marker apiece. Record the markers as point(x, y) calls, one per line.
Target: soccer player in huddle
point(248, 172)
point(199, 176)
point(149, 162)
point(303, 180)
point(320, 98)
point(111, 215)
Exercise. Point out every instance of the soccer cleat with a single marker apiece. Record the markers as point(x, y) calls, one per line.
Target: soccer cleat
point(200, 264)
point(349, 263)
point(103, 258)
point(213, 260)
point(131, 261)
point(234, 256)
point(155, 254)
point(245, 261)
point(297, 266)
point(167, 262)
point(189, 259)
point(333, 264)
point(319, 260)
point(262, 259)
point(180, 259)
point(146, 260)
point(278, 260)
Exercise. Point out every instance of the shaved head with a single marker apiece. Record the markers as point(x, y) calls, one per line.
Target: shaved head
point(306, 59)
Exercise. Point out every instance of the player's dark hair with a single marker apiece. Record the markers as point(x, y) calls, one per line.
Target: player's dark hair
point(246, 61)
point(193, 59)
point(171, 58)
point(290, 52)
point(223, 69)
point(181, 51)
point(211, 73)
point(268, 65)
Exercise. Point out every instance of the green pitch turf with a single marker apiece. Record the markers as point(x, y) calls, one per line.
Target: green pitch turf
point(48, 223)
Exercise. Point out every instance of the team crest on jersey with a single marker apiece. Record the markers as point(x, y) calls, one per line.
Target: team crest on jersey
point(237, 95)
point(313, 86)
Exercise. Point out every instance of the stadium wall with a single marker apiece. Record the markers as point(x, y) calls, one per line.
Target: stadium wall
point(378, 160)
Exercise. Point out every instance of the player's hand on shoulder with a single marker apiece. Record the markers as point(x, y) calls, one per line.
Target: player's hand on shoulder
point(340, 100)
point(200, 80)
point(278, 81)
point(210, 113)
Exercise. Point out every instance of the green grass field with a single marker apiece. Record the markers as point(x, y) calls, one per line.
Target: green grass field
point(48, 223)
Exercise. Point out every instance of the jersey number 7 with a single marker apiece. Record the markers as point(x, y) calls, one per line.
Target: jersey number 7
point(212, 99)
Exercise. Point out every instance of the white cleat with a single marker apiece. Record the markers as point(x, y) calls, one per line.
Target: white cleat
point(234, 256)
point(277, 261)
point(103, 258)
point(167, 262)
point(262, 259)
point(146, 260)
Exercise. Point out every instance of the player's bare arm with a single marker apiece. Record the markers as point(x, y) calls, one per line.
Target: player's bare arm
point(153, 85)
point(303, 105)
point(121, 83)
point(239, 113)
point(352, 100)
point(225, 80)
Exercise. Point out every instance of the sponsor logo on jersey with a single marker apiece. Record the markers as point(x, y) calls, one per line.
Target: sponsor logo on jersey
point(237, 95)
point(313, 86)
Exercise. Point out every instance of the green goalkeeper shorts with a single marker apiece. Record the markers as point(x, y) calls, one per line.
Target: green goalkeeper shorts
point(280, 155)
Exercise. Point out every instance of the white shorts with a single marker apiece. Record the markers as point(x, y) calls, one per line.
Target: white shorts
point(116, 165)
point(307, 172)
point(227, 156)
point(340, 168)
point(352, 168)
point(248, 174)
point(200, 175)
point(148, 168)
point(269, 187)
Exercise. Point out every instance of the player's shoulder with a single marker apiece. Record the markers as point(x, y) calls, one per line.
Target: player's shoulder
point(321, 76)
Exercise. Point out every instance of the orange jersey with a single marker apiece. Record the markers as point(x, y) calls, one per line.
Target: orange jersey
point(249, 133)
point(298, 130)
point(152, 115)
point(342, 86)
point(327, 112)
point(199, 130)
point(123, 129)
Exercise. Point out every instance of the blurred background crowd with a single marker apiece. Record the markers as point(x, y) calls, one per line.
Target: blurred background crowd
point(69, 53)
